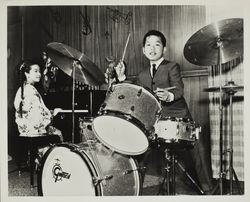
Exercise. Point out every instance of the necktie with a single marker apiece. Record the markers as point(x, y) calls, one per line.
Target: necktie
point(153, 70)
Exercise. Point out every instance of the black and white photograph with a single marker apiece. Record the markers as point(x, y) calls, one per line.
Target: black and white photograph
point(138, 99)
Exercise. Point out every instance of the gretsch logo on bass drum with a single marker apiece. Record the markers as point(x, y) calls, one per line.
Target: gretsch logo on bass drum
point(58, 173)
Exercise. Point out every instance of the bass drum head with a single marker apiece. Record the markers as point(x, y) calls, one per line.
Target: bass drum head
point(66, 173)
point(120, 135)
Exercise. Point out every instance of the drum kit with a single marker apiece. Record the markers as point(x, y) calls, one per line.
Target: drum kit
point(128, 119)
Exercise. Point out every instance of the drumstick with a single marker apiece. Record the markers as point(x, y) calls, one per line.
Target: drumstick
point(171, 88)
point(123, 55)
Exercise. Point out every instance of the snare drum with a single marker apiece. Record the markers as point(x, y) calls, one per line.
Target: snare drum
point(87, 170)
point(176, 130)
point(127, 114)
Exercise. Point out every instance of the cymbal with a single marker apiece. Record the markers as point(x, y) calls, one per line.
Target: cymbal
point(202, 47)
point(230, 86)
point(86, 71)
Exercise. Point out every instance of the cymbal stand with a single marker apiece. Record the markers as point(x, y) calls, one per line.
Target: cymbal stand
point(91, 103)
point(219, 44)
point(75, 63)
point(169, 177)
point(231, 170)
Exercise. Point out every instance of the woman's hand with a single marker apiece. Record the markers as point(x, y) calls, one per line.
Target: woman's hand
point(51, 130)
point(56, 111)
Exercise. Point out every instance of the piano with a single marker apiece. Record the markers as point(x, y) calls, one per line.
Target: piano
point(87, 104)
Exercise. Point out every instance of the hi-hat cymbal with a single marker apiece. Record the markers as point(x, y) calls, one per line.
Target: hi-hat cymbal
point(229, 87)
point(86, 71)
point(202, 48)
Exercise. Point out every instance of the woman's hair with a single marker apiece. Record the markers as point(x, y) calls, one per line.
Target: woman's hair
point(155, 33)
point(24, 67)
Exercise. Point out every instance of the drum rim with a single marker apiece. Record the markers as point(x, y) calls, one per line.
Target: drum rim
point(176, 119)
point(110, 146)
point(177, 143)
point(139, 175)
point(86, 118)
point(127, 117)
point(73, 148)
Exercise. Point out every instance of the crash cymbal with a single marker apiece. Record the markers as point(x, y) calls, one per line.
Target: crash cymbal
point(230, 86)
point(86, 71)
point(202, 48)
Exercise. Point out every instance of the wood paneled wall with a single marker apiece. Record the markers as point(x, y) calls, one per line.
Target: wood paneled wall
point(108, 28)
point(110, 31)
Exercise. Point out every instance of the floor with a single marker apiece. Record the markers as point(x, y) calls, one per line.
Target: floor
point(19, 183)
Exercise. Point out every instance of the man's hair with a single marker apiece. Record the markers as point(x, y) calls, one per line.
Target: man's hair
point(155, 33)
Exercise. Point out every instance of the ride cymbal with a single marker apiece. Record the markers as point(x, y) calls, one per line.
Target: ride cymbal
point(202, 48)
point(86, 71)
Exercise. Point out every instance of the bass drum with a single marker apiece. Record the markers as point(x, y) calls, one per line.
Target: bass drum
point(87, 170)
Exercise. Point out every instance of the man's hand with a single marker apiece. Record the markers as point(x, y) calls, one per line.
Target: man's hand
point(120, 71)
point(164, 95)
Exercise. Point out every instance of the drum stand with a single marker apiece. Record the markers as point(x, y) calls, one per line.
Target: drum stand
point(75, 63)
point(230, 91)
point(232, 173)
point(220, 183)
point(74, 66)
point(169, 178)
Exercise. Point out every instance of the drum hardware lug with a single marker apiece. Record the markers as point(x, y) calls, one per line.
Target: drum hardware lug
point(101, 111)
point(104, 112)
point(103, 106)
point(152, 136)
point(195, 134)
point(139, 93)
point(121, 97)
point(174, 140)
point(98, 180)
point(132, 108)
point(177, 131)
point(158, 115)
point(127, 116)
point(75, 148)
point(126, 172)
point(52, 145)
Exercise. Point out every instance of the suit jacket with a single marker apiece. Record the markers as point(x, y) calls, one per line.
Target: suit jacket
point(167, 75)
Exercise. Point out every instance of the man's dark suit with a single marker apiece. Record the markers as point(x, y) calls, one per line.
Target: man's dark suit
point(167, 75)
